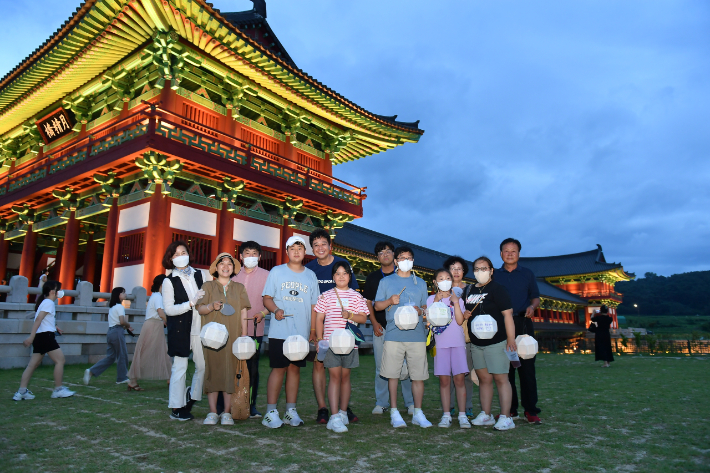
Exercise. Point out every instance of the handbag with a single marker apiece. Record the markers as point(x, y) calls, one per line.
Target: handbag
point(593, 327)
point(240, 398)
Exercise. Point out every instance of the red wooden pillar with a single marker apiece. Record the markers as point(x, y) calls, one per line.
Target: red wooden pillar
point(109, 246)
point(57, 261)
point(67, 271)
point(225, 237)
point(29, 248)
point(90, 259)
point(4, 253)
point(155, 237)
point(286, 233)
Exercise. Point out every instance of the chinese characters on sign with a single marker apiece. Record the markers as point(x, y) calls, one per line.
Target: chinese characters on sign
point(55, 126)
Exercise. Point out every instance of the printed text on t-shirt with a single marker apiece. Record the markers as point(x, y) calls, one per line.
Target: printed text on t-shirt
point(475, 298)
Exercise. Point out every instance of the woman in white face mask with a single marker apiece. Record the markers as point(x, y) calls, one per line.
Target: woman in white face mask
point(450, 348)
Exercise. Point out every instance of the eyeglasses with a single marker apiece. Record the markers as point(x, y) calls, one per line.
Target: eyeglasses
point(385, 252)
point(481, 270)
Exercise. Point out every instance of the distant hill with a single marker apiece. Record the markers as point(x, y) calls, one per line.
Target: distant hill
point(680, 294)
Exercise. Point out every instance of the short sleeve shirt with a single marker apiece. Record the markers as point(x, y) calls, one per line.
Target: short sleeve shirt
point(154, 303)
point(493, 300)
point(325, 274)
point(48, 323)
point(329, 305)
point(371, 284)
point(415, 293)
point(114, 313)
point(295, 294)
point(521, 286)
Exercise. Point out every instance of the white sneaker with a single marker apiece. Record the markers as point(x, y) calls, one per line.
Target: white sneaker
point(410, 410)
point(122, 382)
point(336, 424)
point(62, 392)
point(292, 418)
point(484, 419)
point(211, 419)
point(226, 419)
point(445, 421)
point(463, 422)
point(272, 419)
point(421, 420)
point(379, 410)
point(396, 419)
point(87, 376)
point(504, 423)
point(344, 417)
point(23, 397)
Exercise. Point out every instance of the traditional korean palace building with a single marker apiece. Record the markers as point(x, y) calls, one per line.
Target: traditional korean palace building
point(140, 122)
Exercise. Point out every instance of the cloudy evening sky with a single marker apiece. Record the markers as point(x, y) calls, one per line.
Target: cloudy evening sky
point(563, 124)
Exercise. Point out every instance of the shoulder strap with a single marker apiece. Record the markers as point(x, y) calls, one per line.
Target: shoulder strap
point(198, 278)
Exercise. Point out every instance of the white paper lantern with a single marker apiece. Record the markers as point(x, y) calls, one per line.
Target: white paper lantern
point(244, 348)
point(527, 346)
point(214, 335)
point(438, 314)
point(406, 317)
point(342, 341)
point(484, 326)
point(296, 348)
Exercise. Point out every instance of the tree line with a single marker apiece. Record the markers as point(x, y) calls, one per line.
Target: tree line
point(679, 294)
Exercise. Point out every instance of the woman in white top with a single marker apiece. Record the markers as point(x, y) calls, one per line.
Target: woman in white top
point(150, 357)
point(116, 349)
point(43, 278)
point(42, 340)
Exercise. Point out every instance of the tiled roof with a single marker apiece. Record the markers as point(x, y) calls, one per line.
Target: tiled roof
point(553, 292)
point(588, 262)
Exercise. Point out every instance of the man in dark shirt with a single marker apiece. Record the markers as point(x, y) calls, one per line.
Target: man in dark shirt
point(525, 295)
point(323, 267)
point(384, 251)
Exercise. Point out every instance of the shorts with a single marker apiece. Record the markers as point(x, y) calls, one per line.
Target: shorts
point(44, 342)
point(393, 355)
point(351, 360)
point(277, 359)
point(492, 358)
point(450, 361)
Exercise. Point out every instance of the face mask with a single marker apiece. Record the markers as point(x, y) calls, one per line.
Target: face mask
point(181, 261)
point(444, 285)
point(251, 261)
point(405, 265)
point(60, 294)
point(483, 276)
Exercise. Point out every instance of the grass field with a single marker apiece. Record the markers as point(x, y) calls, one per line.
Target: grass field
point(643, 414)
point(672, 326)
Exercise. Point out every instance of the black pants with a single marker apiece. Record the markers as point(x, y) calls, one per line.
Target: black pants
point(253, 367)
point(526, 373)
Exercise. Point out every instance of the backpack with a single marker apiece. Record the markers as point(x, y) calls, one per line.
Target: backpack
point(240, 398)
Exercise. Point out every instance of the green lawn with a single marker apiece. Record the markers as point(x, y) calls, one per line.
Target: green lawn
point(643, 414)
point(672, 326)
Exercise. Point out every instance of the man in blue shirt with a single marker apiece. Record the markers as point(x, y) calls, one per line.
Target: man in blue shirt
point(523, 291)
point(323, 267)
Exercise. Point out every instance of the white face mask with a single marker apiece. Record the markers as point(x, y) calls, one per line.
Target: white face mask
point(405, 265)
point(482, 276)
point(444, 285)
point(181, 261)
point(60, 294)
point(251, 261)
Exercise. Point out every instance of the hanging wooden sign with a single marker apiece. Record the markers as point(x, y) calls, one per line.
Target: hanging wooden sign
point(55, 125)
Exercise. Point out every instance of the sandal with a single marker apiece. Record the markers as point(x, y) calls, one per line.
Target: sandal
point(135, 388)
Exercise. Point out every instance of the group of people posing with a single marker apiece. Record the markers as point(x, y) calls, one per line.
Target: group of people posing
point(313, 301)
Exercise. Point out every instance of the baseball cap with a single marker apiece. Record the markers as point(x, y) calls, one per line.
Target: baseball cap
point(295, 239)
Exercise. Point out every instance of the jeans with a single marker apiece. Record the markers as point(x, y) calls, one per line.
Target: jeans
point(115, 351)
point(467, 382)
point(178, 374)
point(382, 393)
point(526, 373)
point(253, 367)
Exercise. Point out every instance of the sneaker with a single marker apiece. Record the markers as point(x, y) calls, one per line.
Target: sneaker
point(344, 418)
point(211, 419)
point(323, 415)
point(396, 419)
point(87, 376)
point(272, 419)
point(504, 423)
point(452, 412)
point(226, 419)
point(421, 420)
point(513, 415)
point(122, 382)
point(23, 397)
point(352, 418)
point(445, 421)
point(532, 418)
point(336, 424)
point(253, 413)
point(464, 422)
point(189, 402)
point(292, 418)
point(483, 419)
point(469, 413)
point(62, 392)
point(181, 415)
point(410, 410)
point(380, 410)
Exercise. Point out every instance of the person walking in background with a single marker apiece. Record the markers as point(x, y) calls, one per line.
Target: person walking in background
point(43, 278)
point(290, 293)
point(116, 343)
point(150, 357)
point(253, 278)
point(602, 337)
point(322, 266)
point(181, 291)
point(43, 342)
point(458, 267)
point(523, 291)
point(384, 251)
